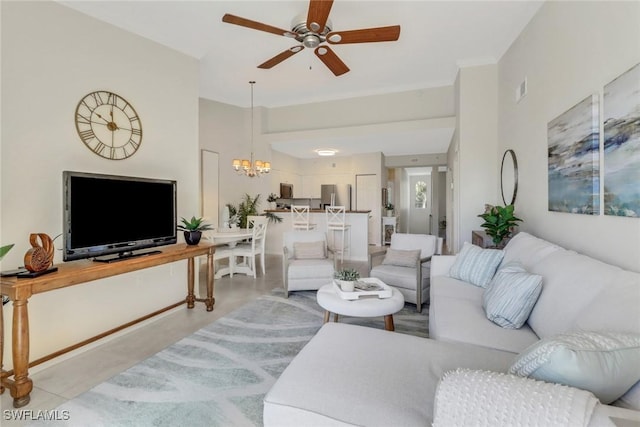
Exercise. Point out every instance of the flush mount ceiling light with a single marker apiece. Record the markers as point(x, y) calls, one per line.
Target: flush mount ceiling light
point(326, 152)
point(249, 167)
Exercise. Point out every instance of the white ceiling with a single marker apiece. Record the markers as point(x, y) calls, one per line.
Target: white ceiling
point(436, 38)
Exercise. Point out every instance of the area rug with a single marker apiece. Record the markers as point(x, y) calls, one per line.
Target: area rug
point(219, 375)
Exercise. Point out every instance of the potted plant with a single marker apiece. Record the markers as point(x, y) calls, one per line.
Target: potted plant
point(389, 207)
point(272, 198)
point(193, 229)
point(499, 223)
point(347, 278)
point(247, 207)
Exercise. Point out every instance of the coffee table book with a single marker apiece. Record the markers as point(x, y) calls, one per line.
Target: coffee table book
point(368, 286)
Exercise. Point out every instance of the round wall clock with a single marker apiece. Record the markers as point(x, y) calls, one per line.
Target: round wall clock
point(108, 125)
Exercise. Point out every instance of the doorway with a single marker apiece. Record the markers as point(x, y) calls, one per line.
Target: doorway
point(420, 204)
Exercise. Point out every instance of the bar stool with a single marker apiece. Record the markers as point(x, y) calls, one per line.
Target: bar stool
point(300, 218)
point(336, 224)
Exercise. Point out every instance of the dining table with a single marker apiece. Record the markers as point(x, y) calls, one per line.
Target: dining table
point(230, 237)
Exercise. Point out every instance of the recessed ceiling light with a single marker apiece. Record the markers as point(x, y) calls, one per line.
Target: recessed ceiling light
point(326, 152)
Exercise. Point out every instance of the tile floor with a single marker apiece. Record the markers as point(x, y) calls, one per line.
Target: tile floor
point(64, 380)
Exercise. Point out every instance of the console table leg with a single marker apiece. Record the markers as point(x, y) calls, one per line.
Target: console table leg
point(210, 299)
point(191, 297)
point(21, 385)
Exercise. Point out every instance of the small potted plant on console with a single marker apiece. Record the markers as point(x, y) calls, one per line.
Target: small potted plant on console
point(347, 279)
point(193, 229)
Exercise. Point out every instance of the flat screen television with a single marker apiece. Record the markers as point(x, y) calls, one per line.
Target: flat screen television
point(109, 218)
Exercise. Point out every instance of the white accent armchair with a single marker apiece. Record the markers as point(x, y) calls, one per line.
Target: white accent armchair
point(412, 281)
point(305, 262)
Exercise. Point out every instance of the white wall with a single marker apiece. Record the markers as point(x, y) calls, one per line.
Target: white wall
point(476, 144)
point(395, 107)
point(567, 52)
point(52, 56)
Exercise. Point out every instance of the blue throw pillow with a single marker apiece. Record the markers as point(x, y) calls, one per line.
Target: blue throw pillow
point(604, 363)
point(476, 265)
point(511, 295)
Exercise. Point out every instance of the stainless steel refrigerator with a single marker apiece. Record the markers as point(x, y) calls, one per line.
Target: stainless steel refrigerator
point(335, 194)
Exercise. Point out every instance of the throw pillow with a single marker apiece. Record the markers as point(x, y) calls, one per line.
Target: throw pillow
point(308, 250)
point(605, 363)
point(476, 265)
point(511, 295)
point(466, 397)
point(401, 258)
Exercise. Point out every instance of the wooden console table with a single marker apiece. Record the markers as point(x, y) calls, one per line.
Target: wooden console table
point(76, 273)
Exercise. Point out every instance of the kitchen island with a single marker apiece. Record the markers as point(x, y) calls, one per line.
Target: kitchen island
point(359, 231)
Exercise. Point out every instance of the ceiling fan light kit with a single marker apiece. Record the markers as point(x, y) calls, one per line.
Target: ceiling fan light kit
point(315, 30)
point(250, 167)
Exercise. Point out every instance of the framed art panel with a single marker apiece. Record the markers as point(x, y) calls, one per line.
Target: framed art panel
point(574, 159)
point(621, 112)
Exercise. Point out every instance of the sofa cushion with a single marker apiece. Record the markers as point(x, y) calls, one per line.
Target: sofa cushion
point(402, 277)
point(401, 258)
point(631, 399)
point(462, 319)
point(476, 265)
point(310, 268)
point(571, 282)
point(615, 307)
point(607, 364)
point(379, 378)
point(511, 295)
point(528, 250)
point(308, 250)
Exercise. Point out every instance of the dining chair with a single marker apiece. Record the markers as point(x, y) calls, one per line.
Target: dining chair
point(249, 251)
point(300, 218)
point(221, 253)
point(336, 224)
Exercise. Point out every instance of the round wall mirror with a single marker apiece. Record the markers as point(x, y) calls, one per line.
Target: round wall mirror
point(509, 177)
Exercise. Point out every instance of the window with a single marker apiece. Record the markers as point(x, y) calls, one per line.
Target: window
point(421, 195)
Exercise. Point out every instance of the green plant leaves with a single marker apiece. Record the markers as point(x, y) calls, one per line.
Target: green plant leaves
point(499, 222)
point(348, 274)
point(5, 249)
point(194, 224)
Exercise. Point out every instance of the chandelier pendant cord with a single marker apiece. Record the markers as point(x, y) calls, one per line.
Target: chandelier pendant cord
point(250, 167)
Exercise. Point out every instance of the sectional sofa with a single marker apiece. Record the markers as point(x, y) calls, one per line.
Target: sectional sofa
point(581, 328)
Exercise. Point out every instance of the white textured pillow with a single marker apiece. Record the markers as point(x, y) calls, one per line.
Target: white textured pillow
point(476, 265)
point(402, 258)
point(605, 363)
point(308, 250)
point(467, 397)
point(511, 295)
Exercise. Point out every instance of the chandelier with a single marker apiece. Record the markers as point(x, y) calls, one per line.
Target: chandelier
point(250, 167)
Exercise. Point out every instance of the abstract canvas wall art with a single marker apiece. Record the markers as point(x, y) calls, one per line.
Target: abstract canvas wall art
point(574, 159)
point(621, 114)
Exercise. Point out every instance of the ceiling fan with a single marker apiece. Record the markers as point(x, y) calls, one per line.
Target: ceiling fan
point(316, 30)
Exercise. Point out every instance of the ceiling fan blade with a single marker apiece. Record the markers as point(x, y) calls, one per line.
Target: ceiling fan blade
point(318, 14)
point(243, 22)
point(331, 60)
point(280, 57)
point(367, 35)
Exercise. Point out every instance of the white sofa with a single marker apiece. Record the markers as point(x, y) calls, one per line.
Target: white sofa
point(352, 375)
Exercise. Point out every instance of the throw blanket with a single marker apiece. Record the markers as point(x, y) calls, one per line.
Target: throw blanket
point(480, 398)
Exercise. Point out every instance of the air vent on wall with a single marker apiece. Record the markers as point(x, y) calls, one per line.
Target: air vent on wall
point(521, 90)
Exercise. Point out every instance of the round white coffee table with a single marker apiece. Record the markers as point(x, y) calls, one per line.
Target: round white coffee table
point(370, 306)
